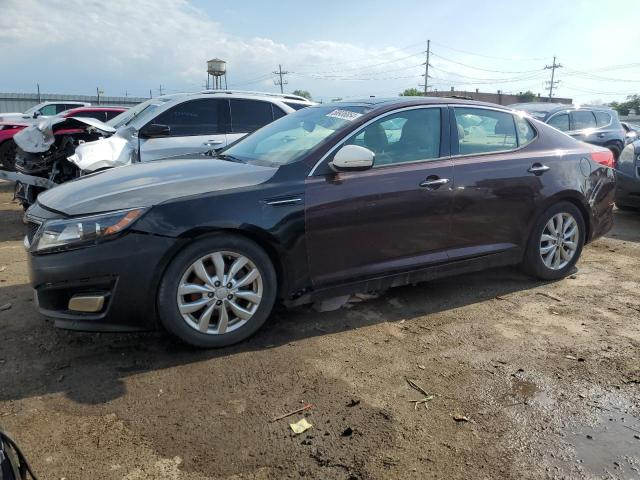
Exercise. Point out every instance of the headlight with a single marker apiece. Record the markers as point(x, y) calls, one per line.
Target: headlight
point(63, 234)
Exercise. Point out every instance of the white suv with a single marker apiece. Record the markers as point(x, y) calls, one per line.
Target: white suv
point(185, 124)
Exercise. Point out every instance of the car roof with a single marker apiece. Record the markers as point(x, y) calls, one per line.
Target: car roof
point(266, 96)
point(97, 109)
point(387, 102)
point(550, 108)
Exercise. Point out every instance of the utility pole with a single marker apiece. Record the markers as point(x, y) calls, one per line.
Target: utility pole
point(98, 94)
point(552, 83)
point(150, 94)
point(280, 82)
point(160, 89)
point(38, 85)
point(426, 68)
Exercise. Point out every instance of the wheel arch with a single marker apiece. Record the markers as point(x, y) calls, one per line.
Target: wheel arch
point(263, 239)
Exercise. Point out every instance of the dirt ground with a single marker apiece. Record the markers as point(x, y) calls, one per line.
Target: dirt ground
point(525, 380)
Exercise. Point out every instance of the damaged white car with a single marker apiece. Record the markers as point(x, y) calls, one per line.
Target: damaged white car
point(184, 125)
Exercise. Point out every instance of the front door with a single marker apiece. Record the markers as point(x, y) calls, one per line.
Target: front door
point(196, 126)
point(391, 218)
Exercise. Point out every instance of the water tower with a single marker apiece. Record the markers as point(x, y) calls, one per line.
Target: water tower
point(217, 69)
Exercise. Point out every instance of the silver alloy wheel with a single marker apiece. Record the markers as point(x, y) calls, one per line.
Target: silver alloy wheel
point(219, 292)
point(559, 241)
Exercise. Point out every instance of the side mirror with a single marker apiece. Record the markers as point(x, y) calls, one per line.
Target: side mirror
point(352, 157)
point(36, 114)
point(155, 130)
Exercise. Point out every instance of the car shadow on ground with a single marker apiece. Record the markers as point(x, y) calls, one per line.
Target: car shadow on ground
point(37, 359)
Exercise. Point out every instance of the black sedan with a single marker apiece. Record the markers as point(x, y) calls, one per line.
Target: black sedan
point(333, 199)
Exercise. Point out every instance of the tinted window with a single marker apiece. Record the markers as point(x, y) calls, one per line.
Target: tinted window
point(481, 131)
point(48, 110)
point(526, 133)
point(582, 119)
point(196, 117)
point(296, 106)
point(402, 137)
point(249, 115)
point(277, 112)
point(561, 122)
point(70, 106)
point(602, 118)
point(112, 114)
point(98, 115)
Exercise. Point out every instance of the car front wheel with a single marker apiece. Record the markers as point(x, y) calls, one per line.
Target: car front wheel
point(218, 291)
point(557, 242)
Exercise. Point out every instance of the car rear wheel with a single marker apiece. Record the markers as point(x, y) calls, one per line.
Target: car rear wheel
point(557, 242)
point(217, 291)
point(8, 155)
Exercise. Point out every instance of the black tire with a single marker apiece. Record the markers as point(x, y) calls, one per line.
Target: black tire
point(8, 155)
point(533, 263)
point(170, 316)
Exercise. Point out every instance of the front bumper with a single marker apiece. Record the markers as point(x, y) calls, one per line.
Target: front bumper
point(126, 271)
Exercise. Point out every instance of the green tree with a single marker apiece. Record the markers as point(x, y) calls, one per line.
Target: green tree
point(411, 92)
point(302, 93)
point(527, 96)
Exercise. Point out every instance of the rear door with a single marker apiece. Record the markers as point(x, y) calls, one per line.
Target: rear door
point(495, 194)
point(196, 126)
point(391, 218)
point(250, 115)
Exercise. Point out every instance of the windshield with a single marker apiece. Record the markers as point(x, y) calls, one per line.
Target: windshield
point(137, 114)
point(288, 139)
point(35, 108)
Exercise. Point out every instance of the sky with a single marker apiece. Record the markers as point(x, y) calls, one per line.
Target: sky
point(333, 49)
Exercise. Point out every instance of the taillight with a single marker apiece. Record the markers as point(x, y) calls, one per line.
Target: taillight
point(603, 157)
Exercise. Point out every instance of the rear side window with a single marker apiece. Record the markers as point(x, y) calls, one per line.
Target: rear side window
point(196, 117)
point(484, 131)
point(296, 106)
point(112, 114)
point(526, 133)
point(582, 119)
point(277, 112)
point(249, 115)
point(97, 115)
point(602, 118)
point(406, 136)
point(561, 122)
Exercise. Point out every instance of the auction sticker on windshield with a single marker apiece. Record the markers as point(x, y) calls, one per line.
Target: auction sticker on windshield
point(344, 115)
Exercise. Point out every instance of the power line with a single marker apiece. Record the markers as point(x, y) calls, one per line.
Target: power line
point(479, 68)
point(281, 82)
point(552, 83)
point(529, 59)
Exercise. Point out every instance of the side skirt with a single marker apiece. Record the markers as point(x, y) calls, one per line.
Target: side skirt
point(512, 257)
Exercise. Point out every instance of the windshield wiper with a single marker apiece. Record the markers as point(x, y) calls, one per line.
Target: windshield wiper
point(227, 157)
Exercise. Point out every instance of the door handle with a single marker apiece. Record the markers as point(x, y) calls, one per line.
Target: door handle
point(602, 135)
point(433, 183)
point(538, 168)
point(212, 143)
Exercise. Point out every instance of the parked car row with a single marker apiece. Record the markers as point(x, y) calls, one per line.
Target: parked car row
point(83, 141)
point(46, 109)
point(327, 200)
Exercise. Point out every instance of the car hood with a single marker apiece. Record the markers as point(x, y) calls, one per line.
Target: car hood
point(38, 137)
point(149, 184)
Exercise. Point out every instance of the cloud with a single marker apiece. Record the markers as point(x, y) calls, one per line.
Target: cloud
point(75, 45)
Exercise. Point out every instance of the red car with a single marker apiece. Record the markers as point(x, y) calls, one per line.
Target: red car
point(9, 129)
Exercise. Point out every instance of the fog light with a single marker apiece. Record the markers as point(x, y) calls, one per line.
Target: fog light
point(86, 303)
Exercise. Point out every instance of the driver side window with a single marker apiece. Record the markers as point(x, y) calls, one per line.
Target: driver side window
point(406, 136)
